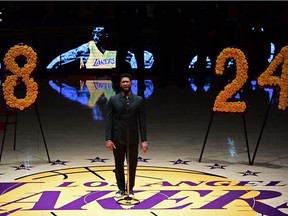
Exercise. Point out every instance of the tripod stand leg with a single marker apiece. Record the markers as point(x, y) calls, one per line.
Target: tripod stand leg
point(15, 130)
point(206, 136)
point(246, 138)
point(4, 134)
point(42, 132)
point(262, 128)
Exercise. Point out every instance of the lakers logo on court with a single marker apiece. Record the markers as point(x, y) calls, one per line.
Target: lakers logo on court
point(161, 191)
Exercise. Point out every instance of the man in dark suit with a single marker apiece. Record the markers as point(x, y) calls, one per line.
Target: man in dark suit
point(125, 119)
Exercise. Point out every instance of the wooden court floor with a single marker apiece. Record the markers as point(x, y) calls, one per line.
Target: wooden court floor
point(63, 168)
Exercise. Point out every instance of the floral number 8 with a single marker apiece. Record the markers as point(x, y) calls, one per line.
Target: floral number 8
point(20, 72)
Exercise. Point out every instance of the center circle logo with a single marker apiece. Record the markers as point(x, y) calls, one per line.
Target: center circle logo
point(85, 191)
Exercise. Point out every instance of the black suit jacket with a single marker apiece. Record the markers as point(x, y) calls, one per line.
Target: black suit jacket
point(125, 119)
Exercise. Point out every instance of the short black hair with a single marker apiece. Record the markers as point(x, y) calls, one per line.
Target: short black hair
point(126, 75)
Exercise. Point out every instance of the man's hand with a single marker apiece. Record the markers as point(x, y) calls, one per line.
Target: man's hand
point(144, 147)
point(110, 145)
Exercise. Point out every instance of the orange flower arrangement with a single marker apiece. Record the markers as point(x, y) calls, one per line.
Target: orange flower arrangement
point(20, 72)
point(231, 89)
point(267, 79)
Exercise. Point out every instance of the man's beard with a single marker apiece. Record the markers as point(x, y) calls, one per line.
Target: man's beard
point(126, 90)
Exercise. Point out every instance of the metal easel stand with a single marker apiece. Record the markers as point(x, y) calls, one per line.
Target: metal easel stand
point(207, 133)
point(15, 130)
point(5, 124)
point(262, 128)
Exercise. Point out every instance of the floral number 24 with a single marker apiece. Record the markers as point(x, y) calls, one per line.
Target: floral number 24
point(266, 79)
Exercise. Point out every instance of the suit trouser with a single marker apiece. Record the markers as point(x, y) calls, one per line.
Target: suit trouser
point(119, 156)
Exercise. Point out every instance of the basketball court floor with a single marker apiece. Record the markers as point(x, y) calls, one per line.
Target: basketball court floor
point(60, 165)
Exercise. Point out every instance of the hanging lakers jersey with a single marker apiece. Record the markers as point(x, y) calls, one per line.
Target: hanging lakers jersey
point(97, 59)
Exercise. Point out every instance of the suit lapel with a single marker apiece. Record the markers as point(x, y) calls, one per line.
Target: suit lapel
point(132, 99)
point(122, 99)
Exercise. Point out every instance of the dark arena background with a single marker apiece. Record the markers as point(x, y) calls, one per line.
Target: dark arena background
point(214, 76)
